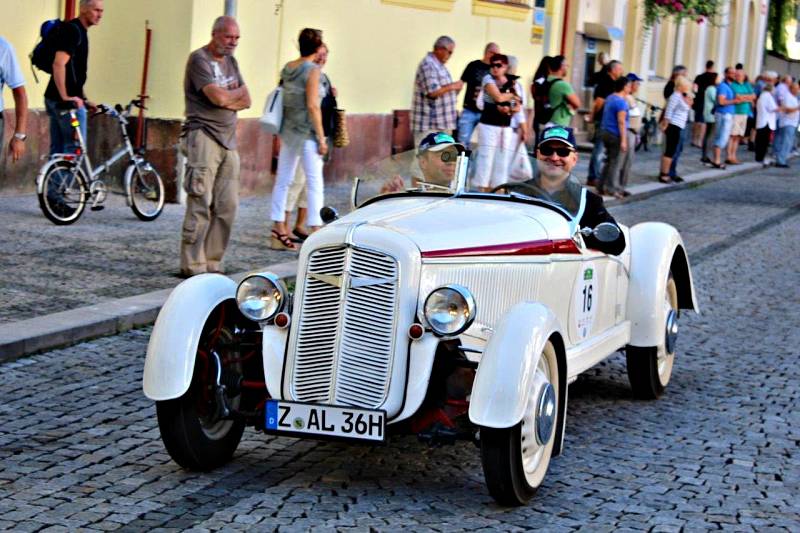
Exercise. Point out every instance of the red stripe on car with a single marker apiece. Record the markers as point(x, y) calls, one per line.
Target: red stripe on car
point(543, 247)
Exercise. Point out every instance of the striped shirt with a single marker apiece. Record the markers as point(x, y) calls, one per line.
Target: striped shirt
point(677, 111)
point(433, 113)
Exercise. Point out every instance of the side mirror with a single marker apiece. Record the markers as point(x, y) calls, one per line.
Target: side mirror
point(328, 214)
point(605, 232)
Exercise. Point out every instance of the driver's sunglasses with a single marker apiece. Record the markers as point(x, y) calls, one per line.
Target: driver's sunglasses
point(547, 151)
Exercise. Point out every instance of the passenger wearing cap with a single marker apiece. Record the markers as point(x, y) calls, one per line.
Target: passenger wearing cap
point(436, 154)
point(556, 156)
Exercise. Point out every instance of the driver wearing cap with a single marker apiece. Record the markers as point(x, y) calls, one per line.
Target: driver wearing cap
point(436, 155)
point(556, 156)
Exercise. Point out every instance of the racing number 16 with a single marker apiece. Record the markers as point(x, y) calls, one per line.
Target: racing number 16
point(587, 298)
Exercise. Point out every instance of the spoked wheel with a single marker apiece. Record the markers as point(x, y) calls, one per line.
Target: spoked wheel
point(515, 459)
point(650, 368)
point(64, 193)
point(193, 429)
point(145, 190)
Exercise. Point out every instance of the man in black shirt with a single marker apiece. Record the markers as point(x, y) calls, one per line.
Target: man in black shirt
point(69, 76)
point(604, 88)
point(473, 76)
point(701, 83)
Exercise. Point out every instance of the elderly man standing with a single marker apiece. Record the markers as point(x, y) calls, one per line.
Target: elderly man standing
point(214, 91)
point(435, 92)
point(11, 75)
point(473, 76)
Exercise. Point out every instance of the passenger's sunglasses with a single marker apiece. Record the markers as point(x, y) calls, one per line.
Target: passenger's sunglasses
point(547, 151)
point(449, 156)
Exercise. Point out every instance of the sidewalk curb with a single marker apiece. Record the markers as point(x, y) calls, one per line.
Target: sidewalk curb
point(58, 330)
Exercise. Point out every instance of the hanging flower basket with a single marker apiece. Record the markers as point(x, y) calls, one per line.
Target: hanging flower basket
point(699, 11)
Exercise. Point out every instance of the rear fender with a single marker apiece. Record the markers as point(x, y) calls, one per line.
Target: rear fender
point(507, 366)
point(172, 349)
point(656, 248)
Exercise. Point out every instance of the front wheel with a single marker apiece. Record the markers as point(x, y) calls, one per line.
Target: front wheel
point(145, 190)
point(64, 192)
point(516, 459)
point(650, 367)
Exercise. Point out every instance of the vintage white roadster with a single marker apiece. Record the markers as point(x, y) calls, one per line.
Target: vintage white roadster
point(434, 311)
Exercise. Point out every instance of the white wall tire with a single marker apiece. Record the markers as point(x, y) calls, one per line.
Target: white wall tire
point(514, 460)
point(650, 368)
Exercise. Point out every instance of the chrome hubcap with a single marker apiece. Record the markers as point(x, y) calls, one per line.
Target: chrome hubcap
point(671, 331)
point(545, 414)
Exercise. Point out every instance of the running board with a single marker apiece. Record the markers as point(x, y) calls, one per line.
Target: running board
point(585, 355)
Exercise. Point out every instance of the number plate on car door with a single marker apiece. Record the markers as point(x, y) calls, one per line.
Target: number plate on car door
point(305, 419)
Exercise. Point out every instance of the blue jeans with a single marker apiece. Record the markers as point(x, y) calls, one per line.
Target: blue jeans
point(61, 131)
point(466, 125)
point(784, 140)
point(596, 161)
point(673, 167)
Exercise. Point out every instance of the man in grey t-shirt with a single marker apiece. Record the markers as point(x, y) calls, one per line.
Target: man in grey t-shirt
point(214, 91)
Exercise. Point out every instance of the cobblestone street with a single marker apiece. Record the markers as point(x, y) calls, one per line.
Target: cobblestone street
point(80, 447)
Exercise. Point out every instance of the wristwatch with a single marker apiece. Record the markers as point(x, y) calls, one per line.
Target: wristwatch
point(21, 136)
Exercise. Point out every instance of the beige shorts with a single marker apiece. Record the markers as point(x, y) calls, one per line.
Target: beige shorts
point(739, 125)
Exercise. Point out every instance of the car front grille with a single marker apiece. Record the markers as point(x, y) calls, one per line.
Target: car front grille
point(345, 338)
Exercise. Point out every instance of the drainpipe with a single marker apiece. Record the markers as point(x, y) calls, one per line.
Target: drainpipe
point(564, 28)
point(230, 8)
point(69, 9)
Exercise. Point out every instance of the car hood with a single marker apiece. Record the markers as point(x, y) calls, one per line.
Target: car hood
point(450, 223)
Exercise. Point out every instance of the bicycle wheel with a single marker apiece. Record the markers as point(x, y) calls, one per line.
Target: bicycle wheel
point(145, 190)
point(64, 193)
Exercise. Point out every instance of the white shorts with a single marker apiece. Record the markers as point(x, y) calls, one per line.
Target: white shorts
point(494, 155)
point(739, 125)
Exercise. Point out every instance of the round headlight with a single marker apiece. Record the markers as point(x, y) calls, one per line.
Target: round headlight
point(260, 296)
point(449, 310)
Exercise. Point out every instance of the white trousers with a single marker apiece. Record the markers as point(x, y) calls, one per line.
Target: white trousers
point(494, 155)
point(288, 160)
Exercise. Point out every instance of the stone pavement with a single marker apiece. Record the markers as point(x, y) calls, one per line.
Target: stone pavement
point(108, 264)
point(80, 448)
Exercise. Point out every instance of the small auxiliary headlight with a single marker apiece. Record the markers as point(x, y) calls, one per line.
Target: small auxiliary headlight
point(260, 296)
point(449, 310)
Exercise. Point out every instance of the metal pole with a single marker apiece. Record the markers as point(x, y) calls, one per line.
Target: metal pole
point(143, 95)
point(230, 8)
point(69, 9)
point(564, 26)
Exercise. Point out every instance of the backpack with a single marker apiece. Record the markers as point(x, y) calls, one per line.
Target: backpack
point(44, 53)
point(542, 109)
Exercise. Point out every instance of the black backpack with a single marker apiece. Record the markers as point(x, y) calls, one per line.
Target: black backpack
point(44, 53)
point(542, 110)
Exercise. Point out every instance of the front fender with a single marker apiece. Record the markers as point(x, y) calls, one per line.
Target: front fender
point(655, 249)
point(172, 349)
point(503, 380)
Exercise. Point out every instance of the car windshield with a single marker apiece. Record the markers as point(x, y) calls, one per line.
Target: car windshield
point(434, 172)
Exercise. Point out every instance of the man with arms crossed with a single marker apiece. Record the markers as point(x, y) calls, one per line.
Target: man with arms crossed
point(214, 91)
point(11, 75)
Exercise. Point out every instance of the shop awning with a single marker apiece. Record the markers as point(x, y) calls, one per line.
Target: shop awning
point(596, 30)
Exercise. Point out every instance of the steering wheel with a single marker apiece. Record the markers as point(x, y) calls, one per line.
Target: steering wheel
point(514, 185)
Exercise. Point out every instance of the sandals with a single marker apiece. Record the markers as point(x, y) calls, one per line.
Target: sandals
point(719, 166)
point(281, 241)
point(664, 178)
point(677, 179)
point(732, 162)
point(299, 235)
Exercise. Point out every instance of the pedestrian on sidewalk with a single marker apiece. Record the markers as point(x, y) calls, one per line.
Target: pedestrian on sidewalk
point(614, 133)
point(723, 117)
point(677, 72)
point(788, 121)
point(742, 111)
point(296, 195)
point(214, 91)
point(701, 83)
point(519, 120)
point(766, 120)
point(676, 116)
point(433, 107)
point(605, 86)
point(69, 76)
point(302, 136)
point(634, 126)
point(11, 75)
point(540, 93)
point(709, 104)
point(561, 96)
point(473, 77)
point(500, 103)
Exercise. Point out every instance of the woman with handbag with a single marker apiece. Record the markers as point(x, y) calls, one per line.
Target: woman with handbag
point(297, 188)
point(302, 136)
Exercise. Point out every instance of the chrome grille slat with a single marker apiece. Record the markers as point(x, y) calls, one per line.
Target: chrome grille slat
point(345, 335)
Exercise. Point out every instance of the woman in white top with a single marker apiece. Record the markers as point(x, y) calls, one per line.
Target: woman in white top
point(788, 120)
point(766, 118)
point(676, 115)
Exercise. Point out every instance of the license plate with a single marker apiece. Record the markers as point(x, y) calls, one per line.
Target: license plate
point(301, 419)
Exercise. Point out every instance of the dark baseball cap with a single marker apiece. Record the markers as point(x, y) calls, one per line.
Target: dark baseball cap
point(557, 133)
point(633, 77)
point(437, 141)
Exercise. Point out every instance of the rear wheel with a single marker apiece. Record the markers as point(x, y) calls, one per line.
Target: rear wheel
point(649, 368)
point(145, 190)
point(193, 432)
point(64, 193)
point(516, 459)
